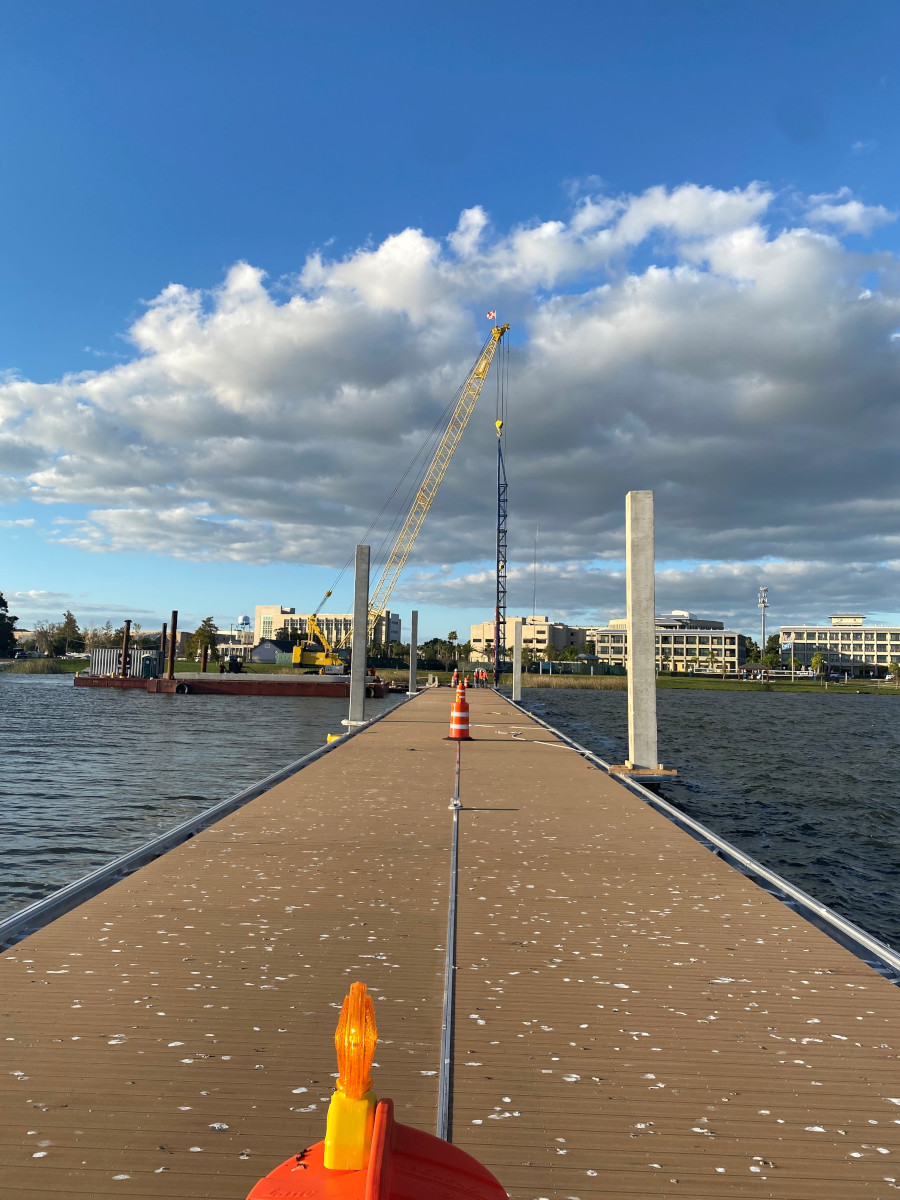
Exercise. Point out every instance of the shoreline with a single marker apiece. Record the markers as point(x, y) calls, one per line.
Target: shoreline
point(619, 683)
point(605, 683)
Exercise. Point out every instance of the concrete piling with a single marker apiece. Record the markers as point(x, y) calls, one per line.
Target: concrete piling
point(517, 662)
point(360, 638)
point(641, 615)
point(413, 652)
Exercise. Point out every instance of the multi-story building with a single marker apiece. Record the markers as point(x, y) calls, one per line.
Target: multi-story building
point(847, 645)
point(683, 643)
point(538, 634)
point(269, 618)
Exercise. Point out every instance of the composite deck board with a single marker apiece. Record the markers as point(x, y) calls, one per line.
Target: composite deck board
point(633, 1018)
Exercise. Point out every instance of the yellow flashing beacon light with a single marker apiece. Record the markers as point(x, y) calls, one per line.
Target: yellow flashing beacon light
point(351, 1113)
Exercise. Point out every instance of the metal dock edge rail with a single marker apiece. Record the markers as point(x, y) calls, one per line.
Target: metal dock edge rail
point(874, 953)
point(28, 920)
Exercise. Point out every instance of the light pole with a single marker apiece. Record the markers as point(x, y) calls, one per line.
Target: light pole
point(763, 604)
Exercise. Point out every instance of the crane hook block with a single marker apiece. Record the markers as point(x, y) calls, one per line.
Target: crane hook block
point(351, 1113)
point(499, 425)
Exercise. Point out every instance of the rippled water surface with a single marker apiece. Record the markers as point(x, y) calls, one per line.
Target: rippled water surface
point(86, 775)
point(807, 784)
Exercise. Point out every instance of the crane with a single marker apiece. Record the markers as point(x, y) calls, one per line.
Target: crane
point(437, 468)
point(308, 654)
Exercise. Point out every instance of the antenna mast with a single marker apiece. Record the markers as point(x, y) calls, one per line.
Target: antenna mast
point(500, 603)
point(762, 605)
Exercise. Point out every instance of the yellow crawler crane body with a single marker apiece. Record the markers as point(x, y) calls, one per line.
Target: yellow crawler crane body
point(308, 655)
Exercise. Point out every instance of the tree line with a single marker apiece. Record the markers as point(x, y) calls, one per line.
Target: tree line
point(58, 638)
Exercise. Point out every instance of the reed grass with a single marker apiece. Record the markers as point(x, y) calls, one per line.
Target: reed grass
point(46, 666)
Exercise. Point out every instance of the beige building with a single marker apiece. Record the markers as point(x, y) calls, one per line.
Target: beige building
point(269, 618)
point(847, 645)
point(683, 643)
point(538, 634)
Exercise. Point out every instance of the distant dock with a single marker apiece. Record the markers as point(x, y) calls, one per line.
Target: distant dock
point(633, 1018)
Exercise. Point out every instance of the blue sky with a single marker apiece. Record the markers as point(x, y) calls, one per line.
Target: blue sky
point(150, 145)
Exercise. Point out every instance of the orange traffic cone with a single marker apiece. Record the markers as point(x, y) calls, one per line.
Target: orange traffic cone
point(459, 717)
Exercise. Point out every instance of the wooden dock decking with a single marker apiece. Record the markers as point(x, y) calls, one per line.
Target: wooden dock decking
point(633, 1017)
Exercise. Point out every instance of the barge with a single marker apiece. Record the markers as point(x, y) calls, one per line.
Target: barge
point(198, 683)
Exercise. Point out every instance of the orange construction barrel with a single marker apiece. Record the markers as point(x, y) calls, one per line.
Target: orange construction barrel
point(459, 718)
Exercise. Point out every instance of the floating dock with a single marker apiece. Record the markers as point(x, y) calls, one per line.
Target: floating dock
point(211, 684)
point(633, 1017)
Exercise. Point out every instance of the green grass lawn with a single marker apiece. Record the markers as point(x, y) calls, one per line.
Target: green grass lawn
point(706, 683)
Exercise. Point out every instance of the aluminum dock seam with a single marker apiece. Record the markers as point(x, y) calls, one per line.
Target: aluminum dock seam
point(634, 1018)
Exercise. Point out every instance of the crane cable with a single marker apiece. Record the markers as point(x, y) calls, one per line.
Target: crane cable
point(430, 438)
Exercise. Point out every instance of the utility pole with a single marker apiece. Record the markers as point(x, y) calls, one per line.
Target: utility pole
point(763, 604)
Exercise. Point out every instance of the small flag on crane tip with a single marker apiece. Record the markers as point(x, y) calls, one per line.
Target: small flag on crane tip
point(492, 315)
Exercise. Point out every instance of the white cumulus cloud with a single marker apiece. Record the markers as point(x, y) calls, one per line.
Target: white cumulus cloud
point(686, 340)
point(850, 215)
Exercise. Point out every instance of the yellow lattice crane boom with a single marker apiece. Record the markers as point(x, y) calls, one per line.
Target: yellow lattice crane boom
point(437, 468)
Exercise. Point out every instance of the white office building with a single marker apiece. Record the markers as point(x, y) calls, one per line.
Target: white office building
point(848, 646)
point(684, 643)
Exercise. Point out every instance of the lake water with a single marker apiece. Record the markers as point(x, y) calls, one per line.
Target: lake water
point(807, 784)
point(86, 775)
